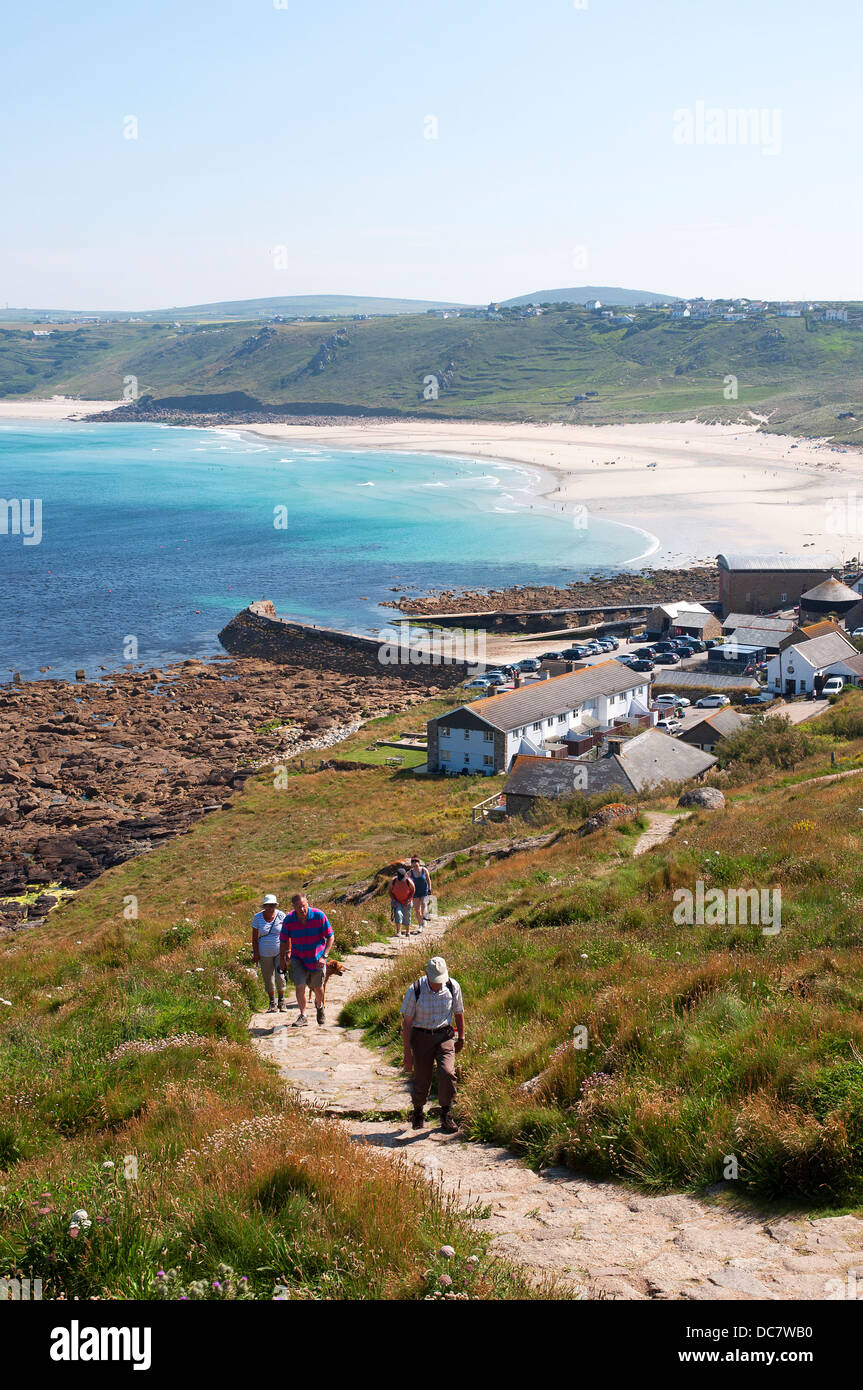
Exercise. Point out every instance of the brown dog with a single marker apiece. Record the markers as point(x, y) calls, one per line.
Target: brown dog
point(334, 967)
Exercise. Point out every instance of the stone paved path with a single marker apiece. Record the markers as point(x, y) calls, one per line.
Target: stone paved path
point(596, 1238)
point(660, 824)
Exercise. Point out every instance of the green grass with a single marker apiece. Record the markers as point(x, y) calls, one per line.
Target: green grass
point(803, 372)
point(119, 1044)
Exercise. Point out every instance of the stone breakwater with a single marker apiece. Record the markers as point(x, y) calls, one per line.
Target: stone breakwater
point(95, 772)
point(258, 631)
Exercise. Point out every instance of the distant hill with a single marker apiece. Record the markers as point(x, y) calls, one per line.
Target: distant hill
point(805, 373)
point(606, 294)
point(292, 306)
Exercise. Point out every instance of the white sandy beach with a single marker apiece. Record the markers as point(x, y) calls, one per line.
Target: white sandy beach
point(714, 487)
point(57, 408)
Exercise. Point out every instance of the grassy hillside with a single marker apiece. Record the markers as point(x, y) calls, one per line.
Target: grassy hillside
point(702, 1042)
point(245, 310)
point(801, 372)
point(125, 1037)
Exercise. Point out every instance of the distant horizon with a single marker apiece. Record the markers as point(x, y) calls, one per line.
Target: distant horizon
point(535, 296)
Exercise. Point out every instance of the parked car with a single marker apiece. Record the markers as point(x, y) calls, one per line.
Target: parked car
point(834, 685)
point(711, 642)
point(712, 702)
point(645, 653)
point(574, 653)
point(626, 660)
point(482, 681)
point(764, 697)
point(641, 664)
point(669, 726)
point(551, 656)
point(609, 644)
point(494, 676)
point(593, 649)
point(667, 659)
point(530, 663)
point(679, 701)
point(858, 632)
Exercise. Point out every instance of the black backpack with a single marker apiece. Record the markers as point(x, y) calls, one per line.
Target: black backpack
point(418, 986)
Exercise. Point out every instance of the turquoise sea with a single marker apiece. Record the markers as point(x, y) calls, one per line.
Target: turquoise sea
point(162, 534)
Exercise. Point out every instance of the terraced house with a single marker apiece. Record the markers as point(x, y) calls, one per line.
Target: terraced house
point(487, 734)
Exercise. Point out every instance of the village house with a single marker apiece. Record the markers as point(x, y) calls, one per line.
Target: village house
point(803, 668)
point(634, 766)
point(685, 619)
point(756, 630)
point(710, 731)
point(567, 711)
point(836, 315)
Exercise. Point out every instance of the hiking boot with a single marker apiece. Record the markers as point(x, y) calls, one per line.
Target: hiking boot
point(417, 1119)
point(301, 1022)
point(447, 1123)
point(272, 1008)
point(321, 1016)
point(282, 1006)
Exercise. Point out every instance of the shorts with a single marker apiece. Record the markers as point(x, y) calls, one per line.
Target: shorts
point(302, 977)
point(401, 913)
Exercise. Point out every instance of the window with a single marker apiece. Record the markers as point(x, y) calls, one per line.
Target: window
point(466, 759)
point(444, 731)
point(488, 760)
point(444, 757)
point(783, 598)
point(549, 723)
point(538, 726)
point(488, 736)
point(467, 733)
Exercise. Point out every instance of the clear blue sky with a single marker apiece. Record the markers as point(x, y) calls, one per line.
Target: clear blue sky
point(303, 128)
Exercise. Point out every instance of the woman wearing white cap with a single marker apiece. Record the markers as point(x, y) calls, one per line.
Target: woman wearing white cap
point(266, 944)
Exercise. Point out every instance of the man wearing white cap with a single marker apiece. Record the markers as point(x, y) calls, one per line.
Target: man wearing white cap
point(433, 1031)
point(266, 945)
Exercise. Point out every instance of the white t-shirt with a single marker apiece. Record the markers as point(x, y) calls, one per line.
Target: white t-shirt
point(269, 933)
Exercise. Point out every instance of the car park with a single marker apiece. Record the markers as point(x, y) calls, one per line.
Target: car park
point(712, 702)
point(530, 663)
point(574, 653)
point(482, 681)
point(609, 644)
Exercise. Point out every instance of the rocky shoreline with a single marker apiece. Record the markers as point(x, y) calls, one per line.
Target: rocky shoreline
point(96, 772)
point(696, 582)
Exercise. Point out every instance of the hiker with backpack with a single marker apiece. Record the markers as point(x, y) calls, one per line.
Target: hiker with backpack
point(401, 896)
point(433, 1031)
point(421, 881)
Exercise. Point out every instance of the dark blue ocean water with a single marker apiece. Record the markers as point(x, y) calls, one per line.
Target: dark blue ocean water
point(163, 534)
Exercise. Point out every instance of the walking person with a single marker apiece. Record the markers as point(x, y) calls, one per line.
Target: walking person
point(433, 1031)
point(266, 949)
point(421, 880)
point(307, 939)
point(401, 896)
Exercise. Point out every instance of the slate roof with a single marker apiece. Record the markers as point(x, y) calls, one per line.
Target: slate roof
point(557, 695)
point(723, 721)
point(645, 761)
point(794, 564)
point(822, 651)
point(737, 620)
point(655, 757)
point(830, 591)
point(551, 777)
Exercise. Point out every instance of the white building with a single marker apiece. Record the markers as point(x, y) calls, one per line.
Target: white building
point(798, 670)
point(837, 315)
point(485, 735)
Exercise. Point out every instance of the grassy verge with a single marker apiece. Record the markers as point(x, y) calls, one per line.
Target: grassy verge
point(130, 1092)
point(701, 1043)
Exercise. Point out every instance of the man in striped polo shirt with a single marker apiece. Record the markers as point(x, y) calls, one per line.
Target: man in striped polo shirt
point(307, 939)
